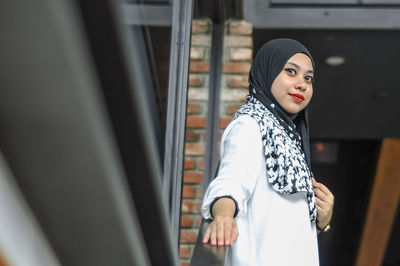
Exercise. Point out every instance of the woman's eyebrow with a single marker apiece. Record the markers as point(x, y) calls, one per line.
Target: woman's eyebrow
point(298, 67)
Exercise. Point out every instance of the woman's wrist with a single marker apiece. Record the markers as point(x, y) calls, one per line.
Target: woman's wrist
point(321, 225)
point(223, 206)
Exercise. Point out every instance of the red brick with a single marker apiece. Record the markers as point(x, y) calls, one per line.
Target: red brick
point(196, 80)
point(195, 149)
point(192, 135)
point(198, 94)
point(201, 40)
point(196, 53)
point(201, 164)
point(238, 41)
point(200, 26)
point(234, 95)
point(188, 192)
point(236, 68)
point(192, 178)
point(188, 236)
point(200, 192)
point(199, 66)
point(196, 122)
point(238, 81)
point(197, 221)
point(224, 122)
point(184, 252)
point(189, 163)
point(241, 54)
point(240, 27)
point(190, 206)
point(193, 108)
point(186, 221)
point(232, 108)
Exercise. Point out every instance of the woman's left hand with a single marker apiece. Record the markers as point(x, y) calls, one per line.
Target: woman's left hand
point(325, 202)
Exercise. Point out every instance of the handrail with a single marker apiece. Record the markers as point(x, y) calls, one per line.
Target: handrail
point(204, 254)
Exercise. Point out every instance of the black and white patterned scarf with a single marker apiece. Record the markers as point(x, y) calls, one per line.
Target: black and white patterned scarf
point(286, 165)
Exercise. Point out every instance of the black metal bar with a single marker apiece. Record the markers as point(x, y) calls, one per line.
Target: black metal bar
point(204, 254)
point(176, 110)
point(122, 83)
point(214, 95)
point(139, 49)
point(155, 73)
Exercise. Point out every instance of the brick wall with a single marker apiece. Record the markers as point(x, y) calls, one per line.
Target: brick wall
point(238, 53)
point(238, 47)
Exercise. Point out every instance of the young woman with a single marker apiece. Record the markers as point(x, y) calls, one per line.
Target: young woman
point(264, 201)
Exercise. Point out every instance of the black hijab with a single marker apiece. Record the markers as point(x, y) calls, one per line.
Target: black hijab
point(267, 65)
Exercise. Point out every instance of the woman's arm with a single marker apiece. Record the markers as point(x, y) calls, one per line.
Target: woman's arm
point(241, 162)
point(223, 229)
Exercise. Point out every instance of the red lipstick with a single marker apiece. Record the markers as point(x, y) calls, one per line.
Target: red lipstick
point(297, 97)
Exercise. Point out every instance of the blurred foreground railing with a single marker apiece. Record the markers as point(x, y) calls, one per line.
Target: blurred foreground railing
point(206, 254)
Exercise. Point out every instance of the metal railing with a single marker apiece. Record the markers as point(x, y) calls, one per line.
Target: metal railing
point(204, 254)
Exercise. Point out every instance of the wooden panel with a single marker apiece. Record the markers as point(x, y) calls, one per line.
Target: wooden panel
point(2, 261)
point(382, 206)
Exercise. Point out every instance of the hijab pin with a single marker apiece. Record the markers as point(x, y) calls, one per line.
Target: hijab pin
point(272, 105)
point(254, 91)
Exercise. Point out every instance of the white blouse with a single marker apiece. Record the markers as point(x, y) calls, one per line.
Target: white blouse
point(274, 229)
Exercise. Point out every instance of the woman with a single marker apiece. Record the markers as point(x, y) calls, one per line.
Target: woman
point(264, 189)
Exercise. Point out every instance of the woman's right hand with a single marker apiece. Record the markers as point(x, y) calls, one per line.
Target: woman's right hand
point(222, 231)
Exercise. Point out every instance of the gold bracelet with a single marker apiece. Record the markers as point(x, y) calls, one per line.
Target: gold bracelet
point(325, 229)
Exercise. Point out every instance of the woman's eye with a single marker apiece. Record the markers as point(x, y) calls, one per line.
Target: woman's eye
point(291, 71)
point(309, 79)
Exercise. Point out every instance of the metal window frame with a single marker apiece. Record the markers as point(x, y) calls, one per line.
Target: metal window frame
point(214, 96)
point(122, 83)
point(179, 16)
point(176, 111)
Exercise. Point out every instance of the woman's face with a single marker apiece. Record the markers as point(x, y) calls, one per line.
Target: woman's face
point(292, 88)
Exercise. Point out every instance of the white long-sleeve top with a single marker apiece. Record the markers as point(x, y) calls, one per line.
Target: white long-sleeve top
point(274, 229)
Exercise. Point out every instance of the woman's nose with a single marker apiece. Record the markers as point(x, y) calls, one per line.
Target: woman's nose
point(301, 85)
